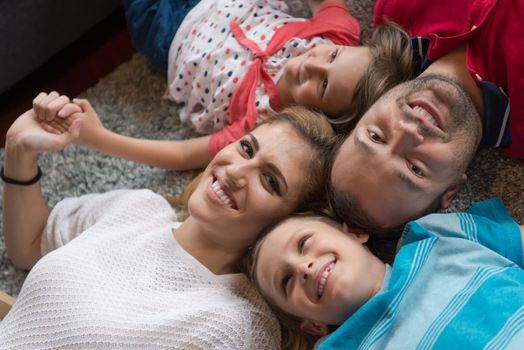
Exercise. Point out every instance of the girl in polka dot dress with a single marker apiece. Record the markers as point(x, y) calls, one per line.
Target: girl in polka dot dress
point(232, 63)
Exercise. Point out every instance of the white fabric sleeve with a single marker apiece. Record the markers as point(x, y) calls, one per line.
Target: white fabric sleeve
point(71, 216)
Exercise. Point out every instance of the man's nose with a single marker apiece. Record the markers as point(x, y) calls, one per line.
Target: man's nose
point(407, 136)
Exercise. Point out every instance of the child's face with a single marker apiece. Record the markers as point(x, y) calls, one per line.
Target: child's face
point(317, 272)
point(324, 78)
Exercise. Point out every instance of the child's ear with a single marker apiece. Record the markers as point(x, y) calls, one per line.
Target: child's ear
point(314, 328)
point(361, 235)
point(452, 191)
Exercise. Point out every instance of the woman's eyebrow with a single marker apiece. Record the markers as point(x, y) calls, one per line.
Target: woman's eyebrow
point(255, 141)
point(270, 165)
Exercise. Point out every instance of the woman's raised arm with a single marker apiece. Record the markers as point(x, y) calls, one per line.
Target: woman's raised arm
point(25, 209)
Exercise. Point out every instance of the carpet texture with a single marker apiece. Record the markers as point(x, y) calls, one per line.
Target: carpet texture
point(129, 102)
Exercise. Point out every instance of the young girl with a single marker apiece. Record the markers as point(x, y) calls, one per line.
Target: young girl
point(233, 63)
point(117, 270)
point(457, 282)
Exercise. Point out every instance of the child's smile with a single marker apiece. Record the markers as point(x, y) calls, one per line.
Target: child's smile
point(316, 271)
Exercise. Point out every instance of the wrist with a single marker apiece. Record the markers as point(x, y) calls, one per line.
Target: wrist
point(93, 138)
point(18, 162)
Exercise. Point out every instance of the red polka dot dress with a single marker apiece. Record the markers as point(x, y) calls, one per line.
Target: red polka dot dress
point(208, 61)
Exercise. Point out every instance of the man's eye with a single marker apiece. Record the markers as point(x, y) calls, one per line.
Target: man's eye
point(273, 183)
point(416, 170)
point(374, 137)
point(247, 148)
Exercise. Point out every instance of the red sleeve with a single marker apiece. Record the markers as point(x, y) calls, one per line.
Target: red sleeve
point(342, 28)
point(224, 137)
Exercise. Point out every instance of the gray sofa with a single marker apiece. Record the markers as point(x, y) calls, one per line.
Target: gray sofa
point(32, 31)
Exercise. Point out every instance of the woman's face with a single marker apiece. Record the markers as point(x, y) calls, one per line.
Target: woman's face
point(252, 182)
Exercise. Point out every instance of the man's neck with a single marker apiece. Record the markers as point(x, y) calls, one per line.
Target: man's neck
point(453, 65)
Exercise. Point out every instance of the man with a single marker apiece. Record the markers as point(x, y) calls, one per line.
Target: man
point(408, 154)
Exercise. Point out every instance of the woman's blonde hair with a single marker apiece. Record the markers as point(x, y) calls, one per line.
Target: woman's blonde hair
point(391, 64)
point(315, 129)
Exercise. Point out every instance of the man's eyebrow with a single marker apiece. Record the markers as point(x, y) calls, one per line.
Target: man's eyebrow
point(362, 145)
point(408, 181)
point(270, 165)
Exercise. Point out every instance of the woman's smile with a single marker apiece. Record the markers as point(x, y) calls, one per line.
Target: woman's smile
point(220, 194)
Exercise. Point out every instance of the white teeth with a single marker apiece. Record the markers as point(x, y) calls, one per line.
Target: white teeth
point(323, 279)
point(425, 114)
point(220, 193)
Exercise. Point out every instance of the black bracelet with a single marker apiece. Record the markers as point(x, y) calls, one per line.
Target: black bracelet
point(29, 182)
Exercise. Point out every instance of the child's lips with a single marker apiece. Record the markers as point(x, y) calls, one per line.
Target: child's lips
point(323, 276)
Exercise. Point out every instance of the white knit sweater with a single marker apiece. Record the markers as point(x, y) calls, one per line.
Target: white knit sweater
point(120, 280)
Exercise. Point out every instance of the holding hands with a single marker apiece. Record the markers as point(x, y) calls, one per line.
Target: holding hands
point(53, 123)
point(59, 116)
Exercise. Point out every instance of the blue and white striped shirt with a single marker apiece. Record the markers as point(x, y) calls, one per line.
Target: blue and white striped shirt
point(457, 283)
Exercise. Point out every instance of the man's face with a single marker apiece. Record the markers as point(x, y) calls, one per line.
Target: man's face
point(410, 148)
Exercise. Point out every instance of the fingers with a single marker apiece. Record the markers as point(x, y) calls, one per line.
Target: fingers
point(50, 129)
point(37, 104)
point(57, 126)
point(68, 110)
point(74, 129)
point(84, 104)
point(46, 106)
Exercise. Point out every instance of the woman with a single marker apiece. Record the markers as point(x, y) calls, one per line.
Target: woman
point(117, 270)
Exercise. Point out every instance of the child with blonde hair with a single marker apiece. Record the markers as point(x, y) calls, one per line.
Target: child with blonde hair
point(234, 63)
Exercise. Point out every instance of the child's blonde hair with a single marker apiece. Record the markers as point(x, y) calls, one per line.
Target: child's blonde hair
point(392, 64)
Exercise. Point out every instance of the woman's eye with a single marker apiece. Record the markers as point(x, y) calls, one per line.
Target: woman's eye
point(273, 184)
point(301, 243)
point(416, 170)
point(247, 148)
point(374, 137)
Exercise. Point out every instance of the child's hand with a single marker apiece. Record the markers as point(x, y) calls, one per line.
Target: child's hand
point(79, 113)
point(91, 128)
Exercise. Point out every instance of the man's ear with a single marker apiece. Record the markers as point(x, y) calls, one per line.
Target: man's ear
point(452, 192)
point(361, 235)
point(314, 328)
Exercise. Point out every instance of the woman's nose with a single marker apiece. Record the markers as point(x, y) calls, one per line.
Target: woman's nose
point(236, 175)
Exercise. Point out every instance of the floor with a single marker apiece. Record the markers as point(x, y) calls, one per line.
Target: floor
point(71, 71)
